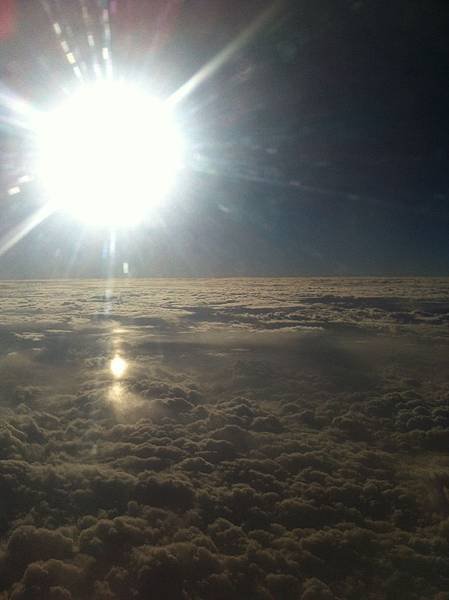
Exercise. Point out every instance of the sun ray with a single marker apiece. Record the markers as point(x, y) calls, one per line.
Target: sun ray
point(107, 36)
point(77, 248)
point(63, 35)
point(90, 37)
point(226, 54)
point(17, 233)
point(20, 113)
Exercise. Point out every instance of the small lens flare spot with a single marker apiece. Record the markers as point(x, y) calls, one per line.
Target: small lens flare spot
point(118, 366)
point(25, 179)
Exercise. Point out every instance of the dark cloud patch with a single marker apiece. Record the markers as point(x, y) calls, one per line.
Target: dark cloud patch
point(171, 493)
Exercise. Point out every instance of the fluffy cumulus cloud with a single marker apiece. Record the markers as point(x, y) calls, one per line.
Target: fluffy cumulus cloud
point(269, 439)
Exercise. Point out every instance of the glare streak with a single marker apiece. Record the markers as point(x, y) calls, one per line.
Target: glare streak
point(14, 236)
point(225, 55)
point(23, 112)
point(106, 52)
point(91, 39)
point(65, 45)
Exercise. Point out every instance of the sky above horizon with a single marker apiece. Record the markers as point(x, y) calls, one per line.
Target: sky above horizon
point(317, 148)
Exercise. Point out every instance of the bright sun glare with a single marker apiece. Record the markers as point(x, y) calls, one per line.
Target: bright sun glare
point(109, 154)
point(118, 366)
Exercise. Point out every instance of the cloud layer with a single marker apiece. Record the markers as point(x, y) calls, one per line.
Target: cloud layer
point(271, 439)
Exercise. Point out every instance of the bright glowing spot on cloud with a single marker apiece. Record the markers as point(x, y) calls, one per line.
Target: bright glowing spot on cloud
point(109, 154)
point(118, 366)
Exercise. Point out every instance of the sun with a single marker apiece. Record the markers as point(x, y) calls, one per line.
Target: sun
point(109, 154)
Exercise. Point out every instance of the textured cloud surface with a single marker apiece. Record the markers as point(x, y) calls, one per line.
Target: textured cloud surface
point(270, 439)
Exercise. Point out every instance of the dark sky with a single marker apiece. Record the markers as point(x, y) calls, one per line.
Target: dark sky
point(325, 138)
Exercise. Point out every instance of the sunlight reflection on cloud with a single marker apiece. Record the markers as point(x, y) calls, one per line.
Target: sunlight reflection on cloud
point(118, 366)
point(117, 397)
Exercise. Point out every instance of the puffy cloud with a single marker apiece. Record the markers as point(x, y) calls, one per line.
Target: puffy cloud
point(176, 494)
point(240, 458)
point(314, 589)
